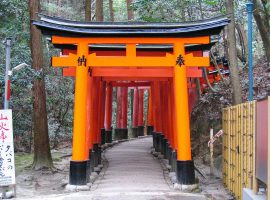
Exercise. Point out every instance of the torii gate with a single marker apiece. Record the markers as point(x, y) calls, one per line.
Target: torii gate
point(94, 73)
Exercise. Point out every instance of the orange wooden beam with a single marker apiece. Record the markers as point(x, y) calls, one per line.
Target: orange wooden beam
point(130, 84)
point(133, 40)
point(123, 72)
point(135, 79)
point(127, 72)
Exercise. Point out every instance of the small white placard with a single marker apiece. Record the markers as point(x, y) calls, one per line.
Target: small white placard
point(7, 166)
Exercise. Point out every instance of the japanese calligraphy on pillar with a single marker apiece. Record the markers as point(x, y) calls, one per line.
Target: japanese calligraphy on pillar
point(7, 167)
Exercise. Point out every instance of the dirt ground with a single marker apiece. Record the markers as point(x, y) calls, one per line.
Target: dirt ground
point(39, 183)
point(35, 183)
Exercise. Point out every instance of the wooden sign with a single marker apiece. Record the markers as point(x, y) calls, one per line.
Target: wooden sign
point(7, 166)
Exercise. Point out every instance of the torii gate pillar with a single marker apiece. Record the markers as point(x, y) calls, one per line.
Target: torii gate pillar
point(121, 131)
point(140, 113)
point(135, 113)
point(150, 114)
point(78, 164)
point(108, 114)
point(185, 166)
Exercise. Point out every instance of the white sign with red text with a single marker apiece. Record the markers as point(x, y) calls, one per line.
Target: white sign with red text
point(7, 166)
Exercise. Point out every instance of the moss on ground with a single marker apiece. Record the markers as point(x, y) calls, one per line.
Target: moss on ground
point(24, 160)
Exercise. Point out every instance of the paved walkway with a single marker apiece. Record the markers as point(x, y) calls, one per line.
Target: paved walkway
point(133, 173)
point(130, 173)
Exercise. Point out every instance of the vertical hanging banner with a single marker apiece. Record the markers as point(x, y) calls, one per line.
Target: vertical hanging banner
point(7, 166)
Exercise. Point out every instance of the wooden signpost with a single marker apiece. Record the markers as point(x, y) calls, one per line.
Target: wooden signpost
point(7, 163)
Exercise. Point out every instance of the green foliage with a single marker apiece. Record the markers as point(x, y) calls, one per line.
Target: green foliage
point(15, 24)
point(157, 10)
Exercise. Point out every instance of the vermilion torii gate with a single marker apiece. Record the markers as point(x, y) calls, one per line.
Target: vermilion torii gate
point(153, 52)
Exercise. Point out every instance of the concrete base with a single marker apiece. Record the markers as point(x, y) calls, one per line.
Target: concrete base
point(134, 132)
point(76, 188)
point(93, 176)
point(121, 134)
point(248, 194)
point(97, 169)
point(186, 188)
point(160, 156)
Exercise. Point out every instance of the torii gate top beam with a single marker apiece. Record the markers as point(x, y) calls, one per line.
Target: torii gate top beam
point(61, 27)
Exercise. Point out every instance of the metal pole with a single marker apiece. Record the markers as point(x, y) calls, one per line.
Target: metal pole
point(8, 50)
point(250, 70)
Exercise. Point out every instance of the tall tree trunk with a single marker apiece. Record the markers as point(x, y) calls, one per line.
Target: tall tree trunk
point(242, 52)
point(42, 154)
point(235, 80)
point(129, 10)
point(99, 11)
point(88, 8)
point(111, 10)
point(262, 19)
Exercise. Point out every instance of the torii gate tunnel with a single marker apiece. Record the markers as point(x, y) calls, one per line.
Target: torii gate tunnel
point(158, 57)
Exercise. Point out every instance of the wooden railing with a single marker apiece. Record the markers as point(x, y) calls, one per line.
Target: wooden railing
point(239, 147)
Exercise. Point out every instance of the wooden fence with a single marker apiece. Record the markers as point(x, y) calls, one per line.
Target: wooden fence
point(239, 147)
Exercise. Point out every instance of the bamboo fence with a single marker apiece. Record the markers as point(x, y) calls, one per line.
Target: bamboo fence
point(239, 147)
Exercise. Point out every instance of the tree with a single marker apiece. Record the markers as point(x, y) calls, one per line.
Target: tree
point(262, 19)
point(99, 11)
point(88, 8)
point(111, 10)
point(231, 42)
point(130, 10)
point(42, 154)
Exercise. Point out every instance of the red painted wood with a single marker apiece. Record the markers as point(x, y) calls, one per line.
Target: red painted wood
point(135, 108)
point(141, 108)
point(103, 100)
point(124, 107)
point(108, 107)
point(119, 108)
point(130, 84)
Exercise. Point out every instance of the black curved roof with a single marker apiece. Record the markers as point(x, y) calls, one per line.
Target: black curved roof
point(61, 27)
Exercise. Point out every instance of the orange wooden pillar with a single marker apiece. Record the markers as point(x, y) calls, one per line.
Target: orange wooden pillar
point(164, 141)
point(141, 113)
point(78, 164)
point(89, 126)
point(157, 133)
point(108, 114)
point(185, 166)
point(102, 113)
point(150, 114)
point(135, 112)
point(102, 110)
point(96, 118)
point(170, 118)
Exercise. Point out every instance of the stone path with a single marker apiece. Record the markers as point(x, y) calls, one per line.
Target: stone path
point(133, 173)
point(130, 173)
